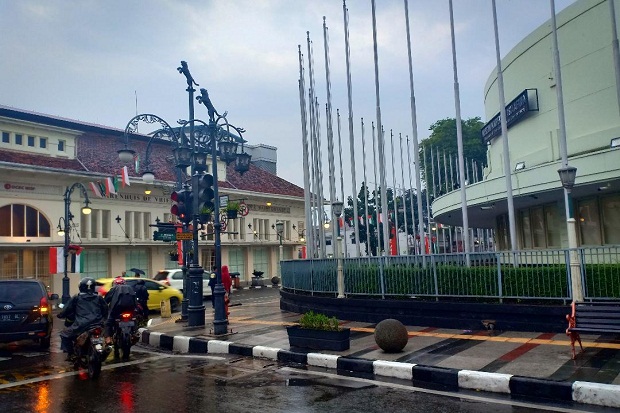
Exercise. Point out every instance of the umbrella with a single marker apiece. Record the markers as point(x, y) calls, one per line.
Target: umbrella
point(137, 271)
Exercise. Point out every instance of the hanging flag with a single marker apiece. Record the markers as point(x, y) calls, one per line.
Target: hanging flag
point(380, 219)
point(102, 189)
point(136, 163)
point(125, 176)
point(57, 262)
point(361, 220)
point(115, 184)
point(109, 186)
point(96, 189)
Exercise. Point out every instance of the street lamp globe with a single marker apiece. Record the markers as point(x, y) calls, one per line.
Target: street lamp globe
point(126, 155)
point(148, 177)
point(243, 163)
point(279, 227)
point(567, 176)
point(337, 207)
point(86, 209)
point(228, 151)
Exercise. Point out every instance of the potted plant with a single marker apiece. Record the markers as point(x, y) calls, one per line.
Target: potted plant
point(174, 255)
point(232, 209)
point(320, 332)
point(205, 215)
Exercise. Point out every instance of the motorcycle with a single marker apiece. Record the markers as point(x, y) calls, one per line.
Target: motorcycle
point(125, 334)
point(90, 351)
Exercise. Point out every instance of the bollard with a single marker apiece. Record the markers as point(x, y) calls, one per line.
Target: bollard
point(165, 309)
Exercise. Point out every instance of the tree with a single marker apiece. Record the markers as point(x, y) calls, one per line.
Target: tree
point(443, 141)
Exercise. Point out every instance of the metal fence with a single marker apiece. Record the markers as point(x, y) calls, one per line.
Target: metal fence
point(515, 275)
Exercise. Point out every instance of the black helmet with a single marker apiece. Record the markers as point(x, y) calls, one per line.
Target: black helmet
point(87, 285)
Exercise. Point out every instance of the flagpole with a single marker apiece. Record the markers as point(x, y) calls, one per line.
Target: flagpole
point(320, 182)
point(459, 137)
point(376, 193)
point(365, 192)
point(418, 200)
point(416, 147)
point(402, 178)
point(380, 136)
point(313, 238)
point(344, 227)
point(304, 142)
point(330, 144)
point(351, 135)
point(428, 204)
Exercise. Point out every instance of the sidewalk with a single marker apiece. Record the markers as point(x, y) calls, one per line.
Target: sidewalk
point(517, 363)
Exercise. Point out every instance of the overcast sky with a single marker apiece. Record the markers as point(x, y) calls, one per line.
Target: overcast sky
point(88, 60)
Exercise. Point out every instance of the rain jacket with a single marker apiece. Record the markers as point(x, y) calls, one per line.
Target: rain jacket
point(142, 294)
point(121, 298)
point(86, 309)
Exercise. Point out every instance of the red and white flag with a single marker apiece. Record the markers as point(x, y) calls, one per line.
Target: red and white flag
point(95, 188)
point(125, 176)
point(109, 186)
point(57, 261)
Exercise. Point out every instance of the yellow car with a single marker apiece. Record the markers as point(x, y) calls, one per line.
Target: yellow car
point(157, 292)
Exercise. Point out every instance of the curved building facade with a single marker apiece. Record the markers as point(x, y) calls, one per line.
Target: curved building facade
point(592, 112)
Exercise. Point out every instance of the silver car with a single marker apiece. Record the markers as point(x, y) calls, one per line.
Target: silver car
point(174, 278)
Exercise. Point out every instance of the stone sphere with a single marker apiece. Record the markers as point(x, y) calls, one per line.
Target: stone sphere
point(391, 335)
point(275, 280)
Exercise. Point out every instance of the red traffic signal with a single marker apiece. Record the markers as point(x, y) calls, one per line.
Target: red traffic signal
point(182, 205)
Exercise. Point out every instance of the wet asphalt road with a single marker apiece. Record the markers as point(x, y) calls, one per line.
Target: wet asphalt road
point(157, 381)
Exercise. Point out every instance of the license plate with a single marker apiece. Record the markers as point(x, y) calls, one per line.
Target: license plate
point(126, 324)
point(97, 340)
point(10, 317)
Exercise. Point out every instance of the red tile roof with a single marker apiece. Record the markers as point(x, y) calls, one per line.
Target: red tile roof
point(97, 152)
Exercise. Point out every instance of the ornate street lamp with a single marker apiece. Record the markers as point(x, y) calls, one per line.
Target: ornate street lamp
point(66, 231)
point(567, 177)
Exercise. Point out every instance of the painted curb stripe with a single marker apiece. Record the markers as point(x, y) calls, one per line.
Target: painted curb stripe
point(145, 336)
point(329, 361)
point(197, 346)
point(218, 346)
point(265, 352)
point(154, 339)
point(287, 356)
point(492, 382)
point(393, 369)
point(166, 342)
point(547, 389)
point(240, 349)
point(181, 344)
point(357, 365)
point(436, 375)
point(596, 393)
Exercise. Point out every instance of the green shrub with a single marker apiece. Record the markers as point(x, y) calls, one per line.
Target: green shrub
point(317, 321)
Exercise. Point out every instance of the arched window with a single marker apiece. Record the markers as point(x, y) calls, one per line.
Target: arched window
point(18, 220)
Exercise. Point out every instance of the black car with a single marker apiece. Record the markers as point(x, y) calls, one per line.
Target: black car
point(25, 312)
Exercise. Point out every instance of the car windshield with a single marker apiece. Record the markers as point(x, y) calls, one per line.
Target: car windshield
point(20, 292)
point(160, 275)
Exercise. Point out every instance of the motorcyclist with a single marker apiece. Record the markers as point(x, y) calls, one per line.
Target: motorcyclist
point(121, 298)
point(86, 309)
point(142, 295)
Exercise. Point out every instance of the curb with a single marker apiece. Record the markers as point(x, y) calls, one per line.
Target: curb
point(600, 394)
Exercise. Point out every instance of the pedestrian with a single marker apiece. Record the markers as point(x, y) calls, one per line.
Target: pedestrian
point(227, 282)
point(142, 296)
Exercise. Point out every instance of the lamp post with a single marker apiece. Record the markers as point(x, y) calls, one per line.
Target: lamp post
point(279, 227)
point(66, 231)
point(567, 177)
point(215, 138)
point(337, 211)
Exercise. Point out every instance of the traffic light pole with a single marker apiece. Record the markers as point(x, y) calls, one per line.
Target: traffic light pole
point(220, 321)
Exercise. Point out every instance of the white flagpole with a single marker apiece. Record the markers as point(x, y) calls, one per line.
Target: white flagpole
point(394, 196)
point(376, 193)
point(428, 204)
point(402, 178)
point(414, 127)
point(459, 137)
point(312, 234)
point(368, 251)
point(351, 135)
point(380, 138)
point(418, 199)
point(434, 174)
point(320, 179)
point(304, 140)
point(344, 199)
point(439, 181)
point(330, 143)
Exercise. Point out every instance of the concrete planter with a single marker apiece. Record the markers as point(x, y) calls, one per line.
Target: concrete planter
point(319, 339)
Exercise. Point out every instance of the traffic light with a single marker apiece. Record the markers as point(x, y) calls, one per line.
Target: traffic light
point(182, 205)
point(205, 194)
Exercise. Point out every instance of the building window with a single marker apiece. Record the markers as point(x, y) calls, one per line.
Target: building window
point(6, 137)
point(19, 220)
point(610, 217)
point(589, 222)
point(137, 225)
point(95, 263)
point(61, 146)
point(136, 258)
point(42, 143)
point(31, 140)
point(105, 224)
point(261, 261)
point(236, 262)
point(19, 139)
point(146, 221)
point(25, 263)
